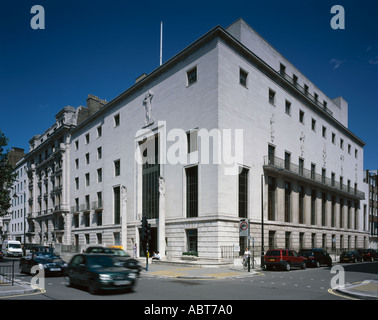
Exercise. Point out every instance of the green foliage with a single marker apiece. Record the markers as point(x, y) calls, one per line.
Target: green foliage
point(7, 177)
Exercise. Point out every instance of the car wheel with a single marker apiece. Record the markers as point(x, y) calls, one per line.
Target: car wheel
point(93, 288)
point(68, 281)
point(303, 265)
point(317, 264)
point(287, 266)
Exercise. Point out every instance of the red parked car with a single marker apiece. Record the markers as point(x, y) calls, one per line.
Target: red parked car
point(284, 259)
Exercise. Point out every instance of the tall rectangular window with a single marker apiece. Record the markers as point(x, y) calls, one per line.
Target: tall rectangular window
point(192, 192)
point(117, 168)
point(117, 205)
point(192, 240)
point(333, 208)
point(243, 75)
point(271, 198)
point(324, 201)
point(313, 207)
point(243, 193)
point(287, 201)
point(271, 150)
point(191, 76)
point(150, 178)
point(287, 160)
point(341, 213)
point(272, 97)
point(301, 204)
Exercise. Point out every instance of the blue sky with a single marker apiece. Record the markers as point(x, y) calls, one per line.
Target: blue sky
point(100, 47)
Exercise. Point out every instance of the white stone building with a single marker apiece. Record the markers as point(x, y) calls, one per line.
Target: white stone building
point(229, 100)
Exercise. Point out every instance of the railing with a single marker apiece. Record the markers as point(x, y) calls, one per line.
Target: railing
point(7, 274)
point(272, 161)
point(305, 92)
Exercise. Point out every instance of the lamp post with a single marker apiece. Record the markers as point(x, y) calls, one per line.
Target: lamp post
point(24, 241)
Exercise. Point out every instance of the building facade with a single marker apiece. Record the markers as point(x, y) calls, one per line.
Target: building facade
point(227, 129)
point(372, 206)
point(228, 100)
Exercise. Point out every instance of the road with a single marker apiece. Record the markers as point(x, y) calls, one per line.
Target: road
point(308, 284)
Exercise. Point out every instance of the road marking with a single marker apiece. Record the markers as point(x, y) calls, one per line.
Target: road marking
point(340, 295)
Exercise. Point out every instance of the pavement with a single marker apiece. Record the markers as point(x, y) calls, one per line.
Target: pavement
point(366, 290)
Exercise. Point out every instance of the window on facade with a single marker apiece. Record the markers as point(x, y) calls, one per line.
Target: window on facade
point(324, 132)
point(99, 152)
point(87, 158)
point(99, 131)
point(117, 168)
point(150, 178)
point(333, 208)
point(87, 138)
point(333, 138)
point(271, 150)
point(117, 120)
point(287, 201)
point(77, 183)
point(192, 240)
point(341, 210)
point(313, 124)
point(192, 138)
point(191, 76)
point(301, 204)
point(271, 198)
point(301, 116)
point(99, 175)
point(77, 145)
point(301, 166)
point(341, 143)
point(287, 160)
point(313, 166)
point(313, 207)
point(288, 107)
point(272, 239)
point(76, 163)
point(324, 201)
point(272, 97)
point(243, 77)
point(87, 180)
point(117, 205)
point(192, 191)
point(243, 193)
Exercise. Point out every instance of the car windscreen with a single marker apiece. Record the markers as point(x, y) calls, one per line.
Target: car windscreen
point(15, 245)
point(101, 262)
point(306, 253)
point(273, 253)
point(45, 256)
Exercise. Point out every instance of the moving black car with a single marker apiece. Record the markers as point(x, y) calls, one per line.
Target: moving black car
point(99, 272)
point(351, 256)
point(121, 255)
point(316, 257)
point(46, 261)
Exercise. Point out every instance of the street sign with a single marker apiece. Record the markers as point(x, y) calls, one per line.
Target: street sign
point(243, 228)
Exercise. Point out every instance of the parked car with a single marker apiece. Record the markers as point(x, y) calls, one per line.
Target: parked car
point(12, 248)
point(367, 254)
point(284, 259)
point(316, 257)
point(49, 262)
point(99, 272)
point(348, 256)
point(126, 259)
point(1, 255)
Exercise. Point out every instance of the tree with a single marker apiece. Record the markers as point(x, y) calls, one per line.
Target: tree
point(7, 177)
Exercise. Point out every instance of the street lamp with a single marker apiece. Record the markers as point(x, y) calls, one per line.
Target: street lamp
point(24, 240)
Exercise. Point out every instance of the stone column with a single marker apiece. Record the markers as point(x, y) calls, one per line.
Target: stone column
point(161, 226)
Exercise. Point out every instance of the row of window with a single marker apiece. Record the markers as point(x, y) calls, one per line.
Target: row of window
point(301, 116)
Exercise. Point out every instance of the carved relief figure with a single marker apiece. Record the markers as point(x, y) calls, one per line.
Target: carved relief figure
point(148, 108)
